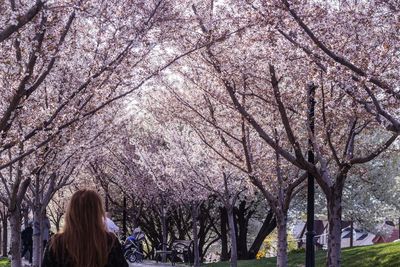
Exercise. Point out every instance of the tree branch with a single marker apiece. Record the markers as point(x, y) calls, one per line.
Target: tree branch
point(21, 21)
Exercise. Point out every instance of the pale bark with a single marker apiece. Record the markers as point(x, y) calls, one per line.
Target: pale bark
point(37, 229)
point(14, 208)
point(282, 258)
point(196, 253)
point(43, 234)
point(26, 217)
point(232, 233)
point(335, 229)
point(164, 231)
point(15, 224)
point(37, 238)
point(41, 201)
point(5, 236)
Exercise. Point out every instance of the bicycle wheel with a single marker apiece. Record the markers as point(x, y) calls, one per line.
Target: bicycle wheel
point(130, 256)
point(139, 256)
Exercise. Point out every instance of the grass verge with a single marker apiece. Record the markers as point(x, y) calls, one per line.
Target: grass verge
point(382, 255)
point(4, 263)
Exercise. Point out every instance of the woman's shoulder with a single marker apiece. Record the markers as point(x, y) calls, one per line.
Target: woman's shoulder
point(57, 236)
point(55, 240)
point(112, 238)
point(116, 257)
point(53, 254)
point(113, 242)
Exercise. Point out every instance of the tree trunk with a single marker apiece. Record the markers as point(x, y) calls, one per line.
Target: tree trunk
point(37, 237)
point(5, 236)
point(335, 228)
point(164, 232)
point(202, 222)
point(106, 199)
point(15, 224)
point(57, 225)
point(14, 209)
point(26, 217)
point(196, 262)
point(268, 226)
point(282, 259)
point(241, 222)
point(231, 222)
point(224, 235)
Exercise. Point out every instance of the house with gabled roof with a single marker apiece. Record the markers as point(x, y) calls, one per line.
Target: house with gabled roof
point(388, 232)
point(360, 237)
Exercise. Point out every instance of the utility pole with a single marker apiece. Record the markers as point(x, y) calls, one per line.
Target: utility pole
point(310, 250)
point(106, 198)
point(124, 219)
point(351, 233)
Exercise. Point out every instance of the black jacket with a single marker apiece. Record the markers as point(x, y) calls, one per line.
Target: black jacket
point(115, 258)
point(26, 236)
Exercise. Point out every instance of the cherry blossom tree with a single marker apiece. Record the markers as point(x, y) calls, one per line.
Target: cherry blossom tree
point(57, 207)
point(363, 195)
point(241, 73)
point(232, 141)
point(210, 174)
point(65, 62)
point(13, 21)
point(55, 168)
point(263, 71)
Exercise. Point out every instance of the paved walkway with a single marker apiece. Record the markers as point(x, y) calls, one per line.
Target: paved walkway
point(150, 264)
point(143, 264)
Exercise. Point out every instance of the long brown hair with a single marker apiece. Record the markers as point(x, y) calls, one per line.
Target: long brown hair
point(84, 239)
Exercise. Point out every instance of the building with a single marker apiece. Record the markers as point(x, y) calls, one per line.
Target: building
point(360, 237)
point(387, 232)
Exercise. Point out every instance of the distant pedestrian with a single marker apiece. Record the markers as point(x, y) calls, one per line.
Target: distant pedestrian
point(84, 241)
point(27, 241)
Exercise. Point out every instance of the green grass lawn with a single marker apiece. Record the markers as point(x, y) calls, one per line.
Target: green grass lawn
point(383, 255)
point(4, 263)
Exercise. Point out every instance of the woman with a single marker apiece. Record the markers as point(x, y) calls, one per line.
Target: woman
point(84, 241)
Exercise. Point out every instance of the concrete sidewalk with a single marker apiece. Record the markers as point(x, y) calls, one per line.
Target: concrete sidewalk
point(151, 264)
point(143, 264)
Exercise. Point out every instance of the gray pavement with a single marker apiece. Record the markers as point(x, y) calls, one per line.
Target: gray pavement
point(143, 264)
point(150, 264)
